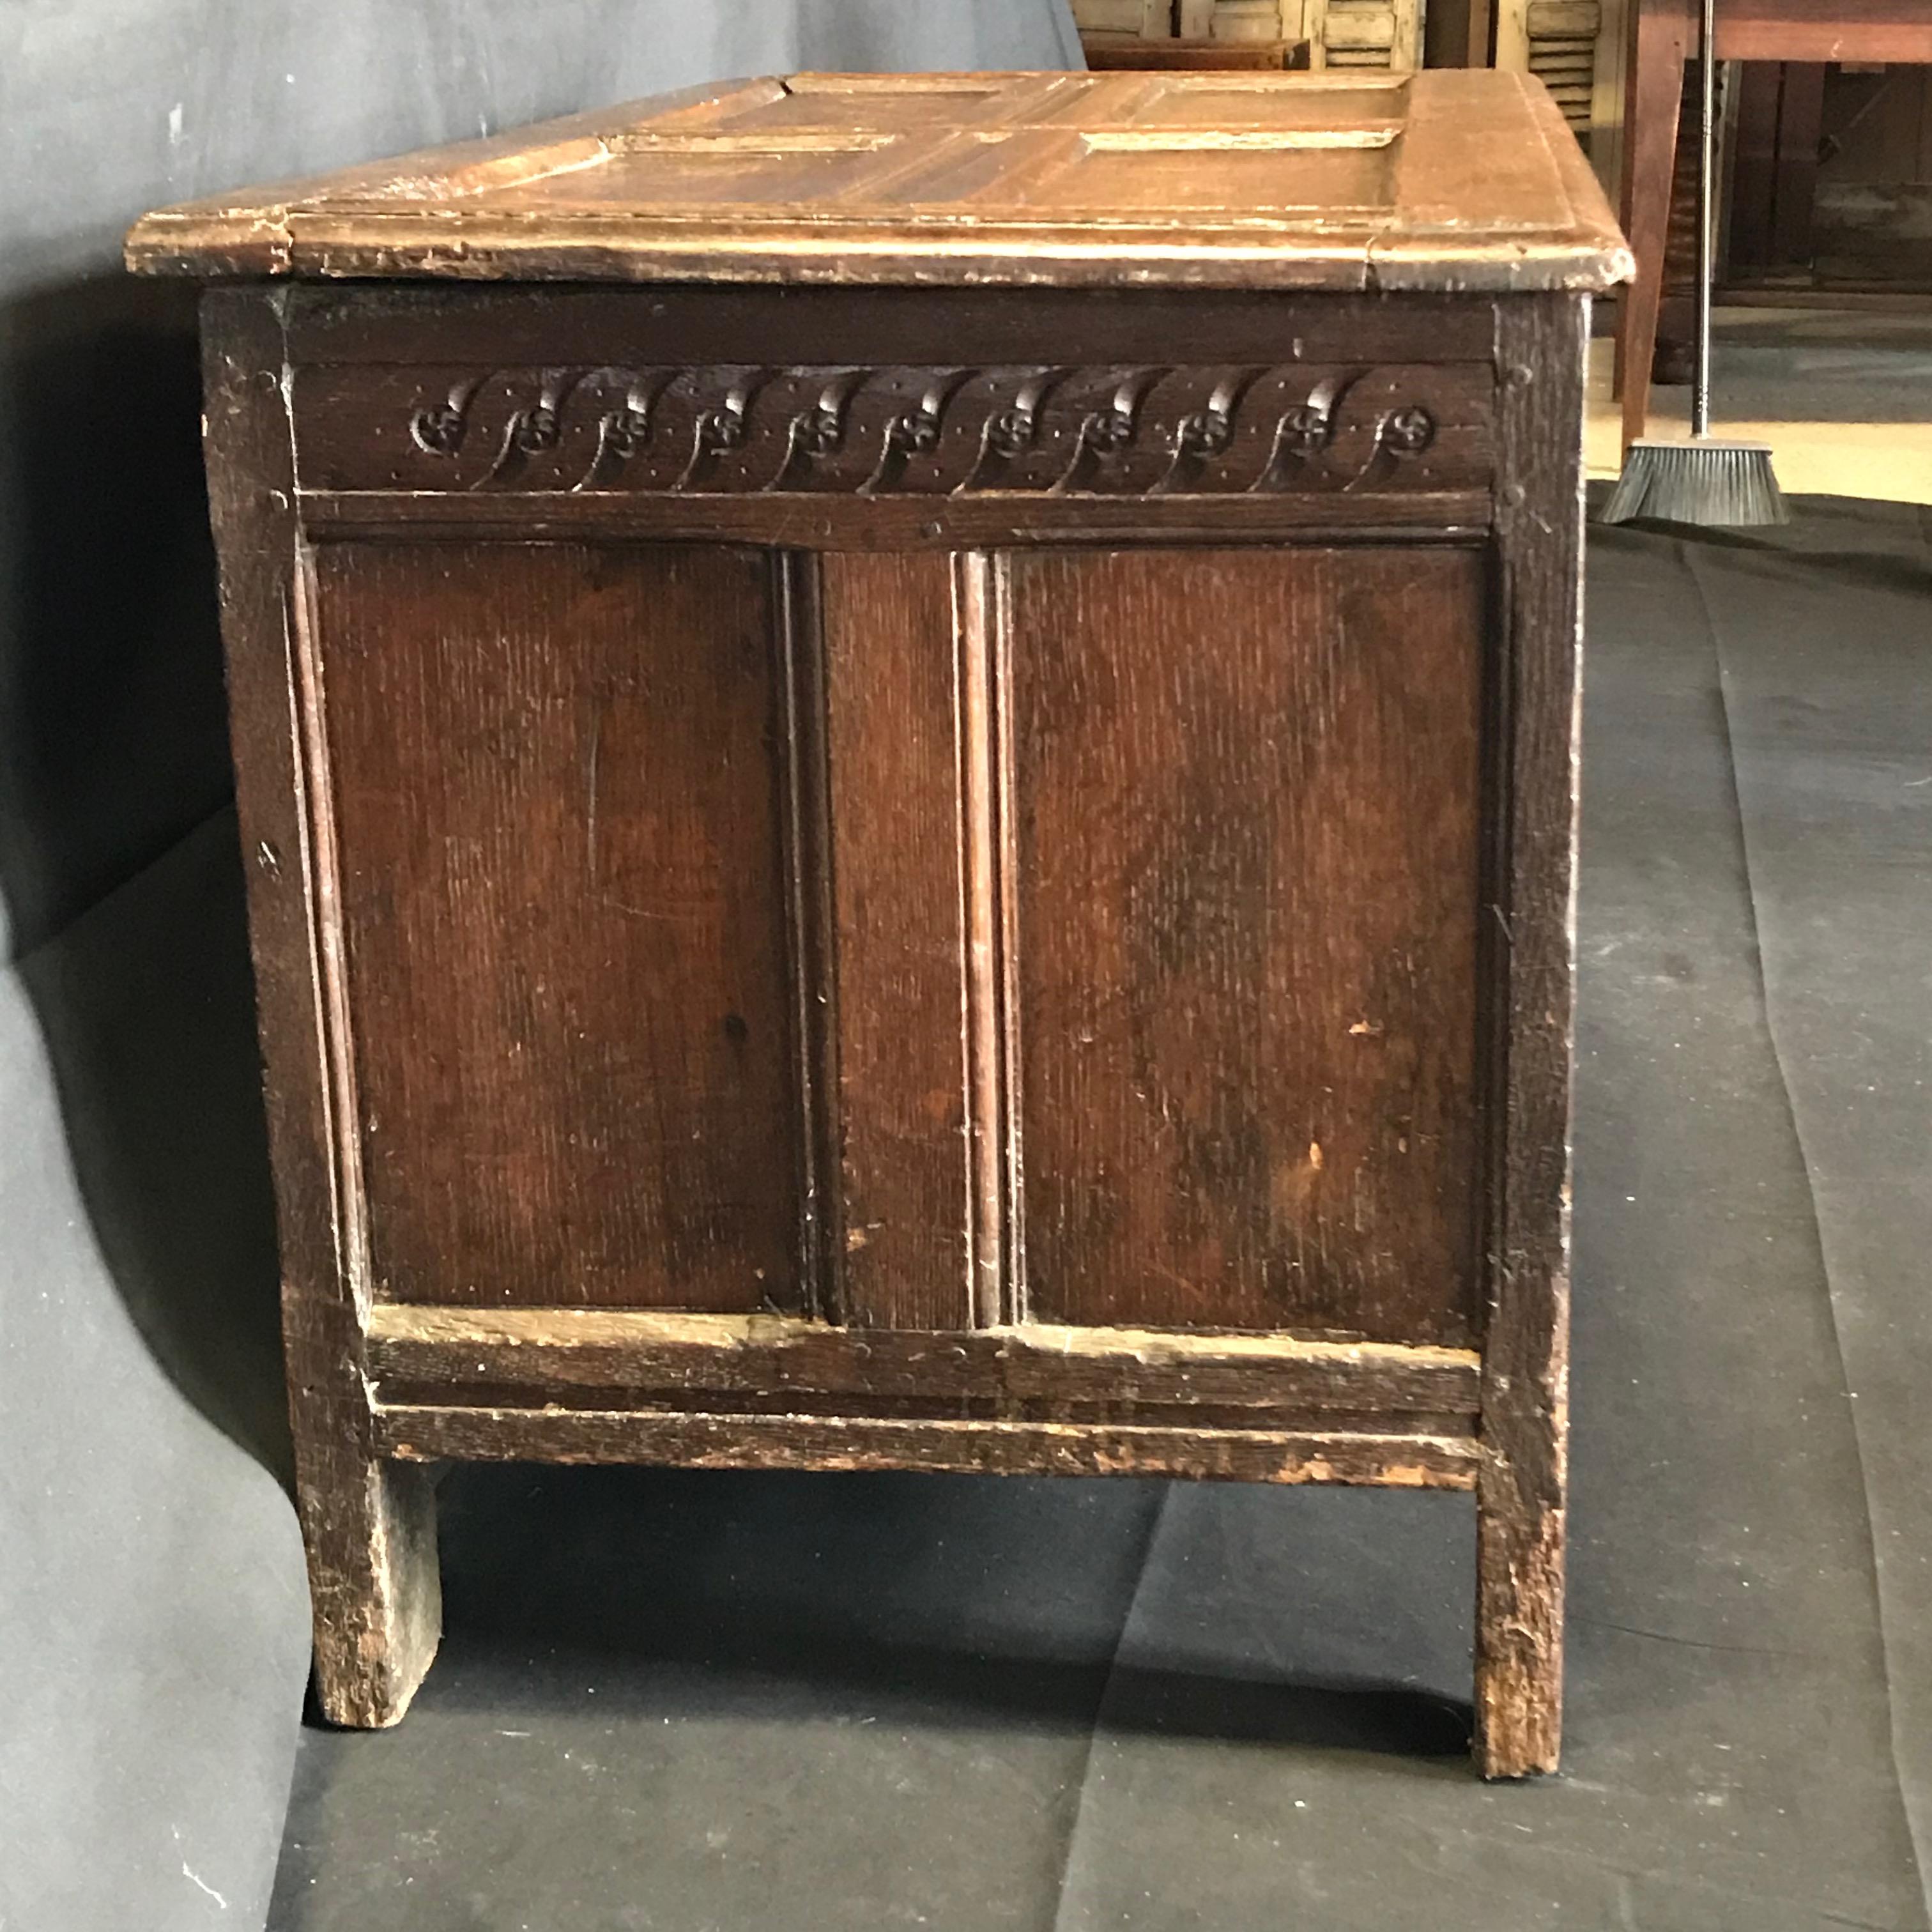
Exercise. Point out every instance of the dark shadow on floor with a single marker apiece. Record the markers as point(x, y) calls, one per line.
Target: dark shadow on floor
point(119, 873)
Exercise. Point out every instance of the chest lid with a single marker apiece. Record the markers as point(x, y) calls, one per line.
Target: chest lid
point(1447, 179)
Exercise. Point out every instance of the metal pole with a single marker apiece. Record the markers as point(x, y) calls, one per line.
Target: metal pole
point(1707, 223)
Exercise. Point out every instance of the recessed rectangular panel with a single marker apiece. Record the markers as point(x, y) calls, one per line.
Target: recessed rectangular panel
point(1260, 100)
point(1245, 855)
point(1254, 176)
point(555, 773)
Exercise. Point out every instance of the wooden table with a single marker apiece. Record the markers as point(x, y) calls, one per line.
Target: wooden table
point(905, 747)
point(1666, 35)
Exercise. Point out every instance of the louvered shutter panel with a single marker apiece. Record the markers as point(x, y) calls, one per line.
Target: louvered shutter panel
point(1573, 47)
point(1377, 34)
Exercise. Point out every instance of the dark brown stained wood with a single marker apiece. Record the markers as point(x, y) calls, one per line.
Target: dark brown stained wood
point(1121, 1411)
point(1111, 53)
point(557, 777)
point(402, 324)
point(1447, 179)
point(805, 834)
point(906, 522)
point(937, 431)
point(1539, 352)
point(369, 1525)
point(967, 868)
point(904, 1243)
point(431, 1433)
point(559, 1350)
point(1245, 846)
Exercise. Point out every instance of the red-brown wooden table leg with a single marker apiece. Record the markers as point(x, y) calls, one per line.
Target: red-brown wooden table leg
point(1663, 43)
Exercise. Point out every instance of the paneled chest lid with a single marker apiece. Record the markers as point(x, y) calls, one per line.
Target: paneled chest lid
point(1443, 179)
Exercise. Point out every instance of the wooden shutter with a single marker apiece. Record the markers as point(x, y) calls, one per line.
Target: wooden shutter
point(1383, 35)
point(1575, 48)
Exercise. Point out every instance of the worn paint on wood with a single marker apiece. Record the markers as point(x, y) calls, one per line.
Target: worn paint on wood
point(1443, 179)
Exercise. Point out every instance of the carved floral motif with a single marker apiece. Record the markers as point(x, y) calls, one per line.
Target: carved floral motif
point(1112, 431)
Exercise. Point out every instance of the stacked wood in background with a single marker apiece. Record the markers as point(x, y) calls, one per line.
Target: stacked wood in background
point(1384, 35)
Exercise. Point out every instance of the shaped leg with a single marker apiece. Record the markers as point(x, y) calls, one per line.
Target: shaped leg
point(1519, 1621)
point(370, 1530)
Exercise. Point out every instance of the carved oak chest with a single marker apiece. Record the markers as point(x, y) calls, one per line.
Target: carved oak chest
point(906, 747)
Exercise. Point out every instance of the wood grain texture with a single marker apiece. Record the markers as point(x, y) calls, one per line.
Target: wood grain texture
point(557, 779)
point(905, 1242)
point(992, 522)
point(929, 431)
point(1336, 182)
point(779, 1356)
point(427, 1432)
point(1247, 877)
point(873, 877)
point(1817, 31)
point(1539, 352)
point(1113, 53)
point(369, 1525)
point(674, 325)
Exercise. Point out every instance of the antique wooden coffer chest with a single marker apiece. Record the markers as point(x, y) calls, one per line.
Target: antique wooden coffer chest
point(906, 752)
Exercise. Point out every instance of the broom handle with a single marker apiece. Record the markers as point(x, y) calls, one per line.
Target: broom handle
point(1707, 221)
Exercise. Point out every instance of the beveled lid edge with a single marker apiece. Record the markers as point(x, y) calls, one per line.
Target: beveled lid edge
point(360, 223)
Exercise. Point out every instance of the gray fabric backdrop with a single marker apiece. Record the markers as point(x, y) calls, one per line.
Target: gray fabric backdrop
point(153, 1639)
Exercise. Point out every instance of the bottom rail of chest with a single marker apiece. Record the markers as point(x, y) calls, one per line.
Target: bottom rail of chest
point(766, 1391)
point(762, 1391)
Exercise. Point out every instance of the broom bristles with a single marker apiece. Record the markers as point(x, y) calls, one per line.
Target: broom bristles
point(1705, 481)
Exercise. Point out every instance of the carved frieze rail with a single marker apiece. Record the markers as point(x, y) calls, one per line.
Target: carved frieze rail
point(1112, 431)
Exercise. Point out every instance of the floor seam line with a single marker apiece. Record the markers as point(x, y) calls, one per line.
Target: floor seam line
point(1919, 1850)
point(1058, 1922)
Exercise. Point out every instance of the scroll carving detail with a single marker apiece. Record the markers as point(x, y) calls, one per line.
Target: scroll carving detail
point(947, 432)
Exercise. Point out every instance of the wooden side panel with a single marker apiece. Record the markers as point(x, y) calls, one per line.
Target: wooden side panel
point(557, 775)
point(905, 1237)
point(1247, 873)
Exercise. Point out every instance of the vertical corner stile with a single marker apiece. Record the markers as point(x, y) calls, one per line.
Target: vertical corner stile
point(805, 832)
point(1522, 1485)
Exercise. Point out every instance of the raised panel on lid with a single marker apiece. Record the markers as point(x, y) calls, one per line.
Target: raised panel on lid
point(1226, 177)
point(1439, 180)
point(921, 103)
point(1230, 102)
point(718, 170)
point(1247, 882)
point(555, 794)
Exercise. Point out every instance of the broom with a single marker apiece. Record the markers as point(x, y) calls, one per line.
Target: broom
point(1708, 480)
